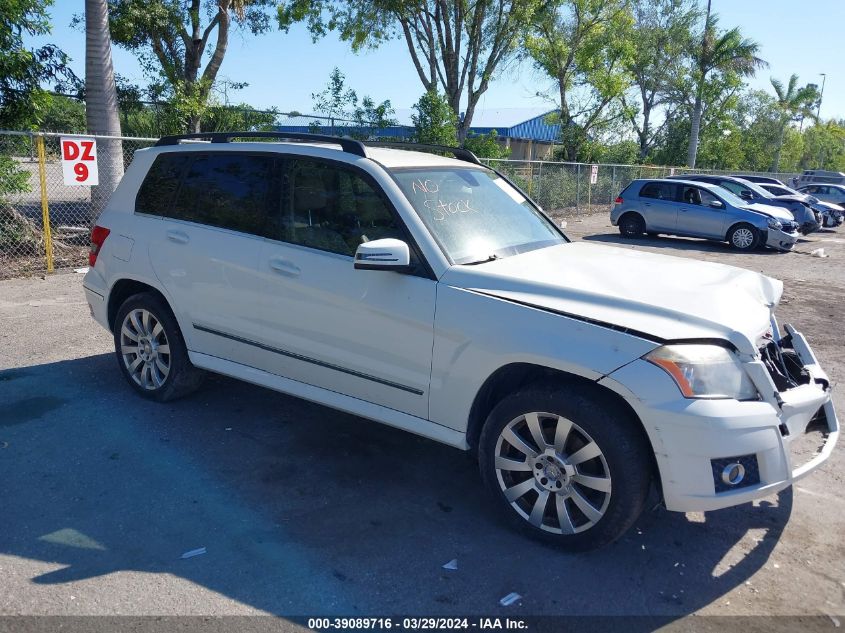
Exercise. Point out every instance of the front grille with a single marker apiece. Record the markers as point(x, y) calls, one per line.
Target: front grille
point(790, 227)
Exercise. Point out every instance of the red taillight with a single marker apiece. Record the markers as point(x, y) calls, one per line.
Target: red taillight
point(619, 200)
point(98, 236)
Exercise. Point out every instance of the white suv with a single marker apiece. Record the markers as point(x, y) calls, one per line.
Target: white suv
point(430, 294)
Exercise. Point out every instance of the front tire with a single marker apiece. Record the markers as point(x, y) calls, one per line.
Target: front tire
point(565, 466)
point(744, 237)
point(151, 351)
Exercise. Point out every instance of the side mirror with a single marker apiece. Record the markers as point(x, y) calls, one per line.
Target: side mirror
point(745, 194)
point(717, 204)
point(386, 254)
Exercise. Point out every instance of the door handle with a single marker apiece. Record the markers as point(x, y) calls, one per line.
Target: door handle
point(284, 267)
point(178, 236)
point(648, 204)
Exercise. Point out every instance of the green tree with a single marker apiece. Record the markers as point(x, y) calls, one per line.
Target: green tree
point(336, 101)
point(129, 99)
point(721, 99)
point(182, 44)
point(23, 71)
point(725, 53)
point(486, 145)
point(824, 146)
point(228, 118)
point(661, 41)
point(757, 117)
point(370, 117)
point(794, 104)
point(434, 120)
point(456, 45)
point(584, 47)
point(63, 114)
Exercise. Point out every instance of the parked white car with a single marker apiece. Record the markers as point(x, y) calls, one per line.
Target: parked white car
point(430, 294)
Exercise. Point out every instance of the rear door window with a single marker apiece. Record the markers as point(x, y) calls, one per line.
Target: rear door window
point(658, 190)
point(229, 190)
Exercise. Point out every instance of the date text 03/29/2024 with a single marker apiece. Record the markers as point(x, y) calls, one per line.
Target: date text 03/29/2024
point(417, 623)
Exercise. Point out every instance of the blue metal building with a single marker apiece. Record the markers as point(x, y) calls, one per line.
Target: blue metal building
point(528, 124)
point(517, 123)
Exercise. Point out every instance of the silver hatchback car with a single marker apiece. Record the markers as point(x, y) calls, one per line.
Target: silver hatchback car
point(698, 209)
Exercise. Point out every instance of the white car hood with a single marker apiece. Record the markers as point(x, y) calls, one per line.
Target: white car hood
point(666, 298)
point(779, 213)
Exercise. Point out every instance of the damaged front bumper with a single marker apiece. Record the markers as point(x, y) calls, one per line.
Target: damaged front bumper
point(781, 240)
point(715, 454)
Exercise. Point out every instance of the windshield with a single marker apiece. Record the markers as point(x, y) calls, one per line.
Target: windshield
point(731, 198)
point(474, 214)
point(757, 189)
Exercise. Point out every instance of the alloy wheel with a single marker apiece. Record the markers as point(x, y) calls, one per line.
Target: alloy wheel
point(144, 349)
point(743, 238)
point(552, 473)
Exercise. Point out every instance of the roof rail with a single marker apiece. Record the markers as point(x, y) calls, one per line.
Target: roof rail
point(350, 146)
point(458, 152)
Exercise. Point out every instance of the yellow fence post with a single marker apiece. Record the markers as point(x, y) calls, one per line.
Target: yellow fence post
point(45, 209)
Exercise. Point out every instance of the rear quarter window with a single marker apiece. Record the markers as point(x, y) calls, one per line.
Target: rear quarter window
point(156, 194)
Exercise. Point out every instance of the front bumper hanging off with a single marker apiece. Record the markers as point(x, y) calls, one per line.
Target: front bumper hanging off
point(718, 453)
point(780, 240)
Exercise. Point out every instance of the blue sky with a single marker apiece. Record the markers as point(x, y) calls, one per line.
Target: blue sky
point(283, 70)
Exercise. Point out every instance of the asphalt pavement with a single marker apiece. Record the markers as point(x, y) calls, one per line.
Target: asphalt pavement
point(306, 511)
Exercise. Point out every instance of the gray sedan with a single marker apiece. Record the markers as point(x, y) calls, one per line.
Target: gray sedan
point(698, 209)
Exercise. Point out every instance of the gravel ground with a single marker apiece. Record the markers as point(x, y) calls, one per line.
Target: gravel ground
point(306, 511)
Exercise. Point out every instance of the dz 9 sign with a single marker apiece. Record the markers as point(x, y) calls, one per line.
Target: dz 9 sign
point(79, 161)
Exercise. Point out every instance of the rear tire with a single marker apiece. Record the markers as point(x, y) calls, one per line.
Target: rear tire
point(150, 349)
point(744, 237)
point(565, 466)
point(631, 225)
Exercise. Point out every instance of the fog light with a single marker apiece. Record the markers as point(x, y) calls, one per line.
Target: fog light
point(733, 474)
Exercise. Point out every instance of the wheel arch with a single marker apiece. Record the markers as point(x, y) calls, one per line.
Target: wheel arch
point(632, 212)
point(124, 288)
point(510, 378)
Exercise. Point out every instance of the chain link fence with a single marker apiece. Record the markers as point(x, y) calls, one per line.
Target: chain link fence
point(573, 188)
point(338, 126)
point(45, 224)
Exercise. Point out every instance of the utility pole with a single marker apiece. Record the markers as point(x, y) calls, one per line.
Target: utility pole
point(818, 114)
point(821, 96)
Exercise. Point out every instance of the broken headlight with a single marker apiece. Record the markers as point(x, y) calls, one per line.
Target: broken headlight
point(704, 371)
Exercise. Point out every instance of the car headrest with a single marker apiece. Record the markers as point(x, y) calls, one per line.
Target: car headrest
point(309, 192)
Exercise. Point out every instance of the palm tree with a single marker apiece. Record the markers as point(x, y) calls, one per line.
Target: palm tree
point(101, 108)
point(728, 52)
point(793, 103)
